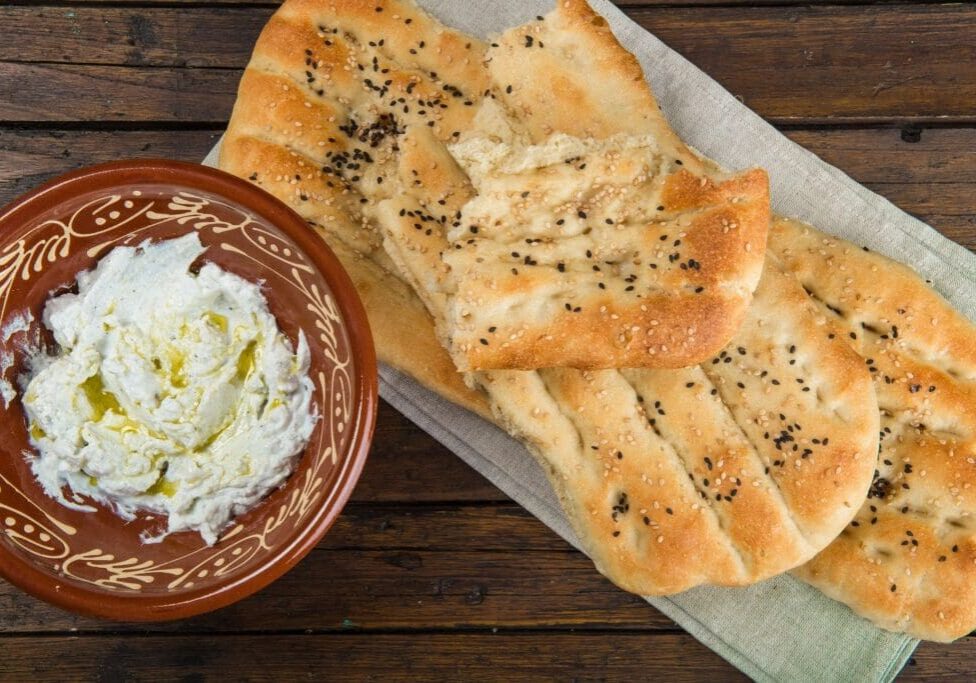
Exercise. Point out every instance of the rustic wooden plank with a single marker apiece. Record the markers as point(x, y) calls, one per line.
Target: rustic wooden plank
point(406, 567)
point(406, 464)
point(133, 36)
point(791, 64)
point(29, 157)
point(942, 662)
point(437, 656)
point(928, 173)
point(394, 589)
point(497, 527)
point(447, 657)
point(66, 92)
point(832, 63)
point(893, 155)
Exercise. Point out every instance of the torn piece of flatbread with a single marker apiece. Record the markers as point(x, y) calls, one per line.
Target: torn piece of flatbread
point(597, 253)
point(592, 242)
point(908, 560)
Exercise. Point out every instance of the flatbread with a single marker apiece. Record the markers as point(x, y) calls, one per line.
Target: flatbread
point(670, 478)
point(908, 560)
point(599, 253)
point(597, 238)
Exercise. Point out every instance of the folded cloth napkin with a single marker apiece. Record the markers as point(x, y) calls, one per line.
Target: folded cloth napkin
point(781, 629)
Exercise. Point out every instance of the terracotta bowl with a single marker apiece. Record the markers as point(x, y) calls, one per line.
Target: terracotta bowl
point(94, 562)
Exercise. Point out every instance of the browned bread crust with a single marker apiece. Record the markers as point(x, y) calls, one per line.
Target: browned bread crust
point(734, 471)
point(908, 560)
point(603, 262)
point(590, 85)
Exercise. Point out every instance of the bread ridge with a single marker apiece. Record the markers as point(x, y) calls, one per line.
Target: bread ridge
point(907, 561)
point(667, 290)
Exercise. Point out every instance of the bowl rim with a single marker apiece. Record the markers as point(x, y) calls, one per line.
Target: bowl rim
point(147, 607)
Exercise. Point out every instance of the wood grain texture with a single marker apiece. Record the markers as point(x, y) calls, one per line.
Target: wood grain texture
point(832, 63)
point(67, 92)
point(345, 657)
point(420, 657)
point(406, 464)
point(132, 36)
point(790, 64)
point(28, 157)
point(398, 589)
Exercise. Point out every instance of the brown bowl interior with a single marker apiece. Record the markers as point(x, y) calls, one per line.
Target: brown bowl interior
point(96, 563)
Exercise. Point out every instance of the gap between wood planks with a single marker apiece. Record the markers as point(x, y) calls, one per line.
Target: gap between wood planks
point(471, 657)
point(350, 632)
point(466, 657)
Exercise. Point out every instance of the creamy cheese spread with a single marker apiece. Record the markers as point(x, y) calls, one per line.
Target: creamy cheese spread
point(18, 323)
point(172, 391)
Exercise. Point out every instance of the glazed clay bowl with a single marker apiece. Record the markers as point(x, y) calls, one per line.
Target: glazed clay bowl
point(94, 562)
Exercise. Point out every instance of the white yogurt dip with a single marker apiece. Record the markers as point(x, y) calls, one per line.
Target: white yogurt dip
point(172, 392)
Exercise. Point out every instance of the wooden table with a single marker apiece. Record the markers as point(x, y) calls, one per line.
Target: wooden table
point(432, 572)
